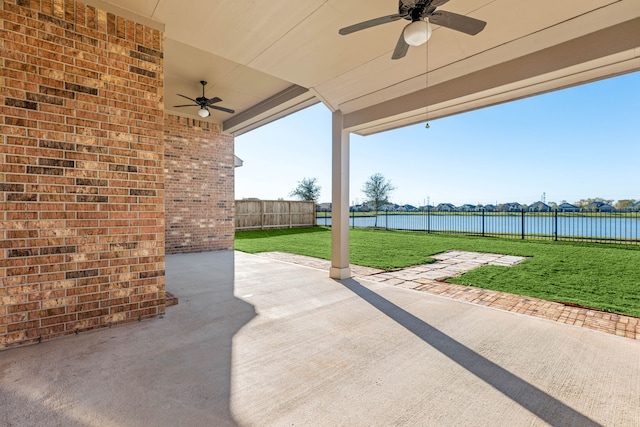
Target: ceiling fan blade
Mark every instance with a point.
(370, 23)
(213, 101)
(401, 47)
(226, 110)
(190, 105)
(438, 3)
(457, 22)
(190, 99)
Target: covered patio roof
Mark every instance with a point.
(266, 59)
(269, 59)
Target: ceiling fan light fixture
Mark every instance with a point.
(417, 33)
(203, 112)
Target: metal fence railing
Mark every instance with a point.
(609, 227)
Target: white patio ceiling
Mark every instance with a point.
(266, 59)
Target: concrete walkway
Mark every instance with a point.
(276, 344)
(430, 278)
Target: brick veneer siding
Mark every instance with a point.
(199, 186)
(81, 170)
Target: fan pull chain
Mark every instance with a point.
(426, 89)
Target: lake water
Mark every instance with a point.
(603, 226)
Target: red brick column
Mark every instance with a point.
(81, 170)
(199, 179)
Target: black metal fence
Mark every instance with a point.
(609, 227)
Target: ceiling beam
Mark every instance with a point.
(286, 102)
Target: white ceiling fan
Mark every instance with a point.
(420, 13)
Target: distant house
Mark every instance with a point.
(409, 208)
(425, 208)
(467, 208)
(600, 207)
(568, 207)
(510, 207)
(489, 208)
(539, 207)
(323, 207)
(635, 206)
(593, 206)
(389, 207)
(445, 207)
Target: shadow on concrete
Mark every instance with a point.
(164, 372)
(215, 315)
(34, 413)
(536, 401)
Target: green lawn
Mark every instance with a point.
(605, 277)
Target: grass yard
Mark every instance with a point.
(601, 276)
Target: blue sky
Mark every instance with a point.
(572, 144)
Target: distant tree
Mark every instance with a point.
(624, 204)
(307, 189)
(377, 189)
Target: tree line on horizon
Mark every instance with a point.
(378, 189)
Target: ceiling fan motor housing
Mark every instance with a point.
(413, 12)
(202, 100)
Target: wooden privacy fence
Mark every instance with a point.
(262, 214)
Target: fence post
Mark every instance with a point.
(482, 222)
(428, 219)
(556, 225)
(522, 228)
(386, 219)
(353, 219)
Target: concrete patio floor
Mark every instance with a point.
(273, 343)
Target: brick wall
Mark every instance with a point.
(81, 170)
(199, 186)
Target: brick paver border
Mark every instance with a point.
(429, 278)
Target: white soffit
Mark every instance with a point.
(269, 59)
